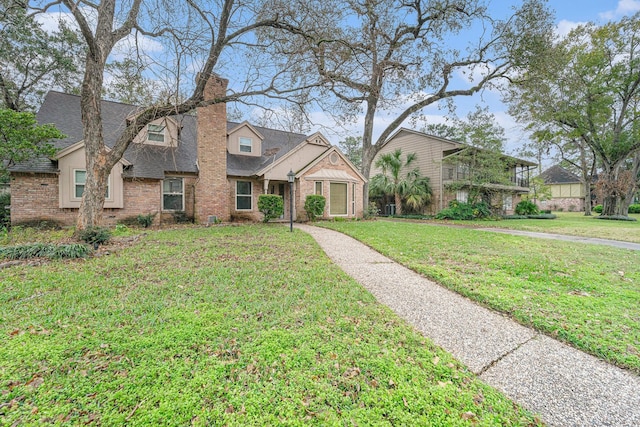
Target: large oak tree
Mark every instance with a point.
(584, 95)
(400, 56)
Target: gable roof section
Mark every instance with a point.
(324, 155)
(151, 161)
(558, 175)
(275, 146)
(247, 125)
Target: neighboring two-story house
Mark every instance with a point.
(450, 179)
(197, 166)
(567, 190)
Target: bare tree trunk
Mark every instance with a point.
(90, 212)
(587, 197)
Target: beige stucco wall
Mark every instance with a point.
(76, 161)
(233, 142)
(567, 190)
(298, 159)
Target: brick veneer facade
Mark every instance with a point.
(35, 197)
(304, 186)
(212, 188)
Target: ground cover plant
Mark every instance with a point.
(570, 223)
(248, 325)
(585, 295)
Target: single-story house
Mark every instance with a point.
(198, 166)
(436, 158)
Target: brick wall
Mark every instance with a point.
(212, 190)
(35, 197)
(567, 204)
(305, 187)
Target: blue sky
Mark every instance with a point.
(569, 14)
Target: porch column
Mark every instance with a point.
(265, 186)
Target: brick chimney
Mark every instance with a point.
(212, 188)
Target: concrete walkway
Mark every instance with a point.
(565, 386)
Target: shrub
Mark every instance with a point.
(597, 209)
(5, 213)
(616, 218)
(527, 207)
(314, 205)
(145, 220)
(41, 250)
(545, 211)
(372, 211)
(634, 209)
(180, 217)
(271, 206)
(95, 235)
(515, 217)
(542, 216)
(464, 211)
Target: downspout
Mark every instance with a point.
(193, 187)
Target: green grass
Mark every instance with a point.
(571, 223)
(585, 295)
(247, 325)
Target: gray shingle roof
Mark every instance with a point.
(559, 175)
(150, 161)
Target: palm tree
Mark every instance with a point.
(412, 187)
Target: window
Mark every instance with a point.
(337, 198)
(507, 202)
(353, 199)
(244, 200)
(462, 196)
(173, 194)
(245, 144)
(79, 181)
(155, 133)
(319, 188)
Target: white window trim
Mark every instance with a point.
(250, 195)
(346, 198)
(73, 186)
(353, 199)
(245, 141)
(156, 132)
(163, 194)
(462, 196)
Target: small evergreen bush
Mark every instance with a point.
(95, 235)
(527, 207)
(314, 206)
(5, 213)
(634, 209)
(145, 220)
(271, 206)
(597, 209)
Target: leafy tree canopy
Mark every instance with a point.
(21, 138)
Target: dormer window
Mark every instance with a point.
(155, 133)
(245, 144)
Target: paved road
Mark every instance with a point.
(565, 386)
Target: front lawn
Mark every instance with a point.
(571, 223)
(586, 295)
(247, 325)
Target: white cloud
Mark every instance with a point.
(625, 7)
(564, 27)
